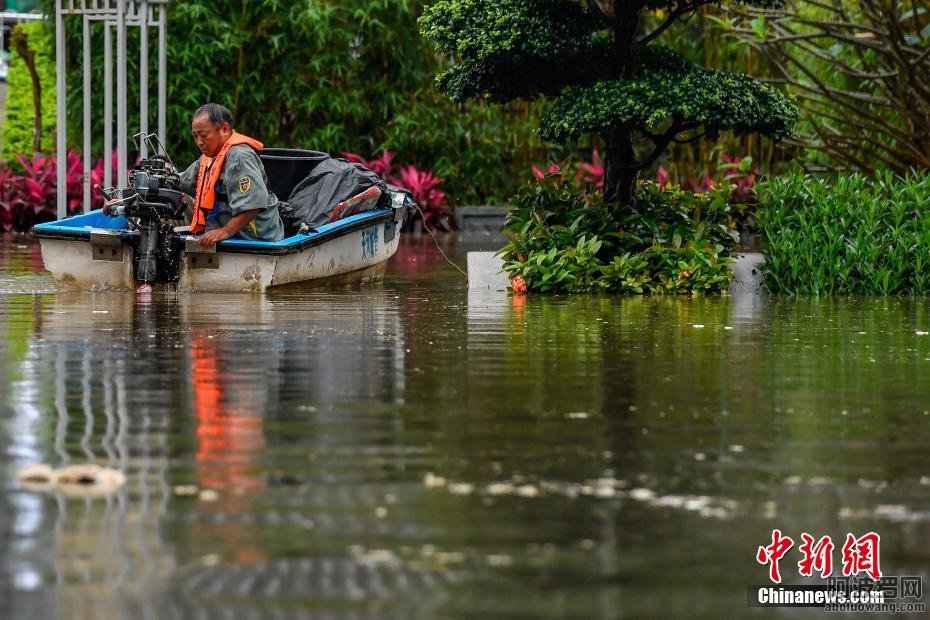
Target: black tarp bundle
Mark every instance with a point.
(310, 185)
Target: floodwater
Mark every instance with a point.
(415, 451)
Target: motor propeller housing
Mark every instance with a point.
(152, 202)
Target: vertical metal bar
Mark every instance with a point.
(121, 129)
(87, 131)
(61, 406)
(107, 103)
(61, 135)
(87, 404)
(143, 73)
(162, 71)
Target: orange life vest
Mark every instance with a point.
(206, 184)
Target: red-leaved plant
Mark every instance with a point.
(552, 169)
(591, 173)
(736, 170)
(380, 166)
(739, 172)
(29, 198)
(730, 168)
(422, 184)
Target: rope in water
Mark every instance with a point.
(423, 216)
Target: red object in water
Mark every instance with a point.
(519, 285)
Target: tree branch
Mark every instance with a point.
(599, 12)
(690, 140)
(661, 142)
(672, 18)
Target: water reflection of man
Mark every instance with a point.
(229, 438)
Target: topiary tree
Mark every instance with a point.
(607, 75)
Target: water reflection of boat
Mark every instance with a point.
(202, 392)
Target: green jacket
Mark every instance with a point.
(243, 186)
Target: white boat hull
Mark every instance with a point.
(74, 268)
(104, 261)
(354, 252)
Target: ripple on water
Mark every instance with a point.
(28, 285)
(414, 450)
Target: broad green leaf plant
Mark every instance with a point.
(564, 239)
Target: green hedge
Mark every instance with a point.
(564, 238)
(18, 122)
(327, 75)
(847, 235)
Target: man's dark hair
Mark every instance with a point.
(217, 114)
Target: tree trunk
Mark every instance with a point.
(619, 175)
(20, 42)
(621, 170)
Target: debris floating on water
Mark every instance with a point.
(208, 495)
(85, 480)
(461, 488)
(432, 480)
(36, 477)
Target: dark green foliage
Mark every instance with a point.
(335, 76)
(18, 122)
(704, 41)
(565, 238)
(479, 29)
(483, 154)
(327, 76)
(851, 235)
(513, 49)
(504, 78)
(598, 63)
(681, 96)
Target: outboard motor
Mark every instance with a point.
(153, 201)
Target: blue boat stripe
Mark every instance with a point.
(78, 227)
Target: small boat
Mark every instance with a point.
(95, 251)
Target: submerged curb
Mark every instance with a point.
(484, 273)
(481, 218)
(748, 276)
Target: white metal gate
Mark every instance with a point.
(118, 15)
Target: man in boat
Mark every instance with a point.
(229, 183)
